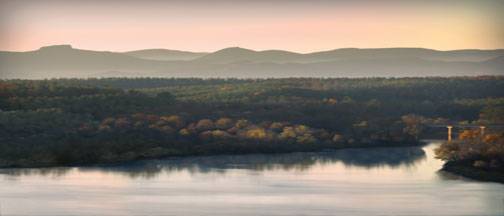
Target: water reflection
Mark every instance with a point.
(364, 158)
(381, 181)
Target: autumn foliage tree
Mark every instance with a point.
(481, 150)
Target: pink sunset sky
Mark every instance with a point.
(301, 26)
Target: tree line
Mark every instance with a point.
(69, 121)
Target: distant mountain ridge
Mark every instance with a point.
(165, 54)
(66, 61)
(238, 54)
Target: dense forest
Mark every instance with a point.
(80, 121)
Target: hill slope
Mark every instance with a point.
(165, 54)
(65, 61)
(237, 54)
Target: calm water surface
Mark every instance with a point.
(381, 181)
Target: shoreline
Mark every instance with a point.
(392, 145)
(466, 170)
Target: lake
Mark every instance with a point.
(373, 181)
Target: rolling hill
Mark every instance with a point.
(165, 54)
(65, 61)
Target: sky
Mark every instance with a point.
(295, 25)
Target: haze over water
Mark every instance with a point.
(375, 181)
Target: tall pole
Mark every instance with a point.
(482, 130)
(449, 132)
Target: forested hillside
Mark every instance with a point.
(77, 121)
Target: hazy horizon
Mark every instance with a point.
(257, 50)
(319, 38)
(297, 26)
